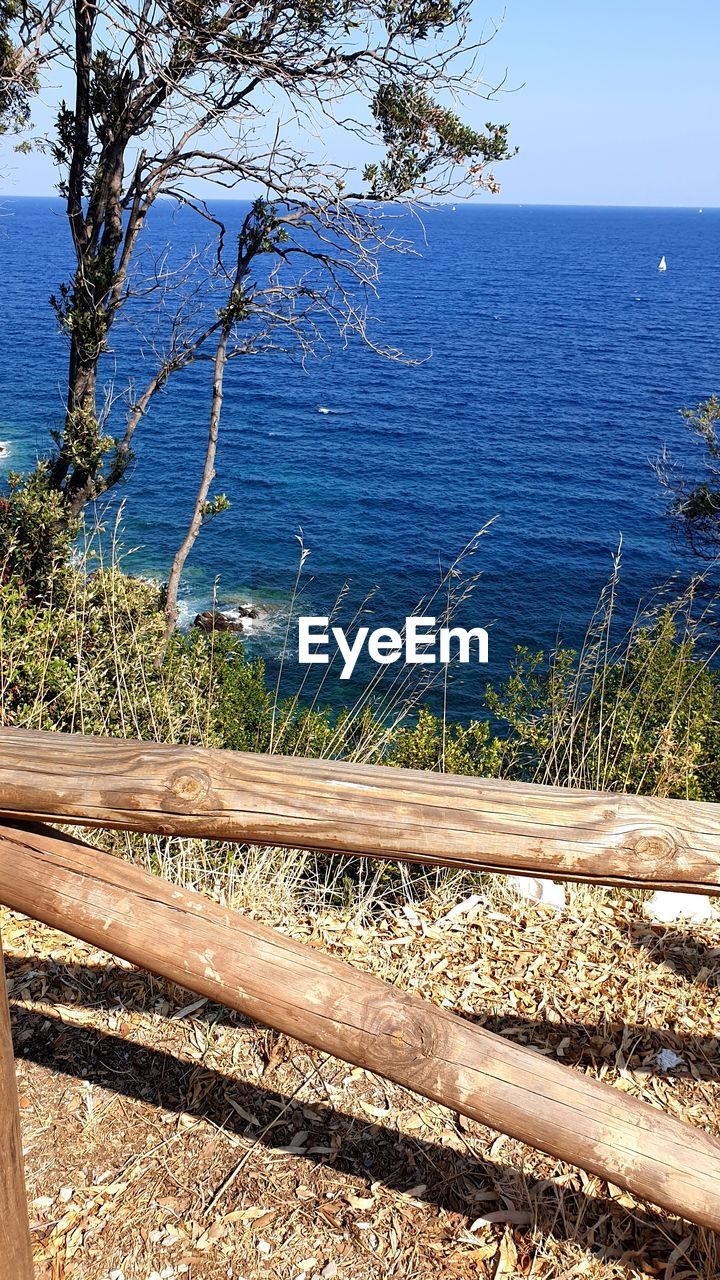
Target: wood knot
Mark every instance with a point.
(404, 1034)
(655, 846)
(190, 785)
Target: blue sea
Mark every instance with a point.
(552, 359)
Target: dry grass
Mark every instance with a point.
(164, 1140)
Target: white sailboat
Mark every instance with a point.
(662, 264)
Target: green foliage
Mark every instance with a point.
(235, 311)
(263, 229)
(248, 718)
(80, 308)
(89, 663)
(644, 719)
(317, 16)
(36, 537)
(62, 146)
(215, 506)
(421, 136)
(695, 499)
(17, 83)
(84, 444)
(87, 659)
(242, 704)
(470, 749)
(417, 19)
(527, 705)
(703, 421)
(110, 93)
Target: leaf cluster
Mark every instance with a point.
(421, 135)
(695, 498)
(36, 538)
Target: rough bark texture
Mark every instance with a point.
(15, 1247)
(368, 810)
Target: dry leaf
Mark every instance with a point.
(359, 1202)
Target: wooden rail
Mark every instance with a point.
(15, 1246)
(368, 811)
(324, 1002)
(372, 811)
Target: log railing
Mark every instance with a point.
(371, 811)
(221, 954)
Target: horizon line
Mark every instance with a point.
(457, 202)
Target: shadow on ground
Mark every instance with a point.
(581, 1042)
(377, 1152)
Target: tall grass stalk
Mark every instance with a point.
(631, 713)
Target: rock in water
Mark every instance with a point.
(215, 620)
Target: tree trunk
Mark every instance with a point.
(201, 497)
(81, 411)
(84, 14)
(81, 378)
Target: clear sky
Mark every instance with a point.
(612, 102)
(620, 101)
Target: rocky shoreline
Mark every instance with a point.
(239, 618)
(243, 617)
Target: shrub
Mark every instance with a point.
(644, 717)
(442, 747)
(36, 536)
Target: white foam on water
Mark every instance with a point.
(187, 612)
(237, 616)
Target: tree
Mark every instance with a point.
(171, 94)
(24, 32)
(695, 501)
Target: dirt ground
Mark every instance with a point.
(165, 1137)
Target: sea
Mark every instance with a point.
(546, 359)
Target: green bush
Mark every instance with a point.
(452, 748)
(644, 717)
(36, 536)
(88, 662)
(87, 659)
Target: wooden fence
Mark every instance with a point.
(360, 810)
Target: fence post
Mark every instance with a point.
(15, 1246)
